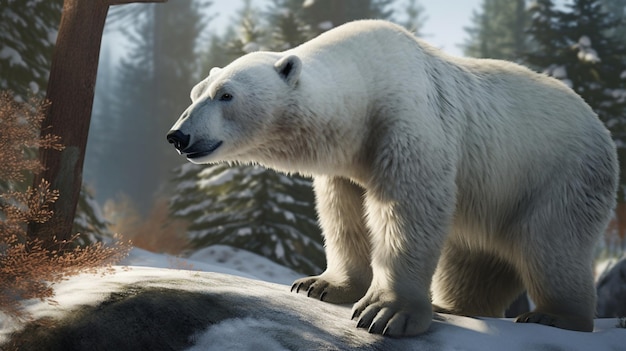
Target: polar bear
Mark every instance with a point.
(448, 182)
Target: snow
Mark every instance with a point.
(227, 335)
(220, 259)
(585, 52)
(194, 208)
(216, 180)
(248, 314)
(326, 25)
(584, 41)
(13, 55)
(34, 87)
(559, 72)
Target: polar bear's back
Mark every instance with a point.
(523, 121)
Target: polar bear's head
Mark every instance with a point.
(235, 108)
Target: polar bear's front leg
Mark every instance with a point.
(408, 232)
(348, 273)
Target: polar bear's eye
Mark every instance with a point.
(226, 97)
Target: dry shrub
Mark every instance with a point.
(156, 232)
(30, 266)
(20, 134)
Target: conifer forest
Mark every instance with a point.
(152, 55)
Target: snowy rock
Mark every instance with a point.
(162, 309)
(612, 291)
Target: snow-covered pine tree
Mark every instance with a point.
(251, 208)
(287, 23)
(322, 15)
(248, 36)
(599, 73)
(618, 9)
(28, 32)
(90, 223)
(575, 45)
(546, 40)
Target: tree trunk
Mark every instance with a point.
(71, 90)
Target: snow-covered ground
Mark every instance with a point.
(220, 259)
(240, 311)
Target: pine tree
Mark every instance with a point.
(415, 17)
(251, 208)
(287, 23)
(323, 15)
(27, 36)
(498, 30)
(90, 223)
(576, 47)
(618, 9)
(249, 36)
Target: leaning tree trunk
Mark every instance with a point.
(70, 91)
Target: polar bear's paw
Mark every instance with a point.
(382, 313)
(329, 290)
(576, 323)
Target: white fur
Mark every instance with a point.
(479, 176)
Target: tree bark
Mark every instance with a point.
(71, 90)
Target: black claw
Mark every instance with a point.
(298, 288)
(322, 296)
(361, 324)
(372, 328)
(355, 314)
(309, 291)
(293, 286)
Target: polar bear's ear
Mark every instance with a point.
(289, 68)
(214, 71)
(198, 90)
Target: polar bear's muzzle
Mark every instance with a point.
(198, 149)
(179, 139)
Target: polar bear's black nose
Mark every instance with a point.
(178, 138)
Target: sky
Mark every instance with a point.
(445, 22)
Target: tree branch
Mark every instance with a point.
(121, 2)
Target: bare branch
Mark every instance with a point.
(120, 2)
